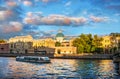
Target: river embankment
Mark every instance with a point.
(64, 56)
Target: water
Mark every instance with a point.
(58, 69)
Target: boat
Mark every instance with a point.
(34, 59)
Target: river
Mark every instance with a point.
(59, 69)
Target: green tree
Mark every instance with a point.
(57, 44)
(83, 43)
(98, 43)
(2, 41)
(88, 44)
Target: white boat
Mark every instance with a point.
(34, 59)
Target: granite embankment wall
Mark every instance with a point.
(72, 56)
(88, 56)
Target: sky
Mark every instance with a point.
(43, 18)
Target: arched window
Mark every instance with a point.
(59, 51)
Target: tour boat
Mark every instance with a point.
(34, 59)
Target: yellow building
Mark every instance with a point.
(106, 43)
(66, 46)
(19, 43)
(27, 38)
(110, 41)
(65, 50)
(48, 42)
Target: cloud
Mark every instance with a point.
(54, 19)
(45, 1)
(39, 33)
(27, 3)
(12, 27)
(68, 3)
(5, 14)
(99, 19)
(11, 3)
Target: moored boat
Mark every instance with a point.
(34, 59)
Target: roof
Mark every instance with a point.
(60, 35)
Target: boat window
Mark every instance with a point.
(31, 58)
(45, 58)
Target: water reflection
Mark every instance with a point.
(58, 67)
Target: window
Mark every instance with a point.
(2, 49)
(11, 45)
(67, 45)
(59, 51)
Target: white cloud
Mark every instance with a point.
(11, 3)
(5, 14)
(99, 19)
(53, 19)
(12, 27)
(68, 3)
(27, 3)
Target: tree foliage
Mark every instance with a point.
(86, 43)
(2, 41)
(57, 44)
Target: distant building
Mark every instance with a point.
(4, 48)
(110, 43)
(65, 50)
(26, 44)
(106, 43)
(59, 37)
(27, 38)
(44, 50)
(48, 42)
(21, 47)
(66, 46)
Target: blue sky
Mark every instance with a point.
(45, 17)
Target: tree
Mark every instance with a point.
(57, 44)
(98, 44)
(83, 43)
(2, 41)
(88, 44)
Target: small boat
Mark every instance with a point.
(34, 59)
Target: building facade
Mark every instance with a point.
(44, 50)
(48, 42)
(66, 45)
(27, 38)
(65, 50)
(106, 43)
(110, 43)
(21, 47)
(26, 44)
(4, 48)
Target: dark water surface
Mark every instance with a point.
(58, 69)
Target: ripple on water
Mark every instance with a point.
(86, 69)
